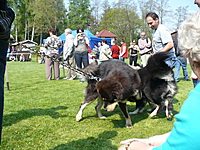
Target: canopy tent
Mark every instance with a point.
(93, 39)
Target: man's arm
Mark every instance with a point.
(167, 47)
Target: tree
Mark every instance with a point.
(79, 13)
(180, 15)
(122, 20)
(163, 9)
(145, 7)
(47, 14)
(95, 16)
(33, 17)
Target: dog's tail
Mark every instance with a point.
(157, 62)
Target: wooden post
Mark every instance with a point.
(7, 81)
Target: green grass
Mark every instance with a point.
(40, 114)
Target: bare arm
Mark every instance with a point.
(153, 141)
(169, 46)
(76, 41)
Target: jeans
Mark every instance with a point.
(181, 62)
(121, 58)
(171, 62)
(195, 82)
(3, 52)
(81, 58)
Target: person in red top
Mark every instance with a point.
(115, 50)
(123, 50)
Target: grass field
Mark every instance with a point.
(40, 114)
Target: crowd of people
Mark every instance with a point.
(76, 51)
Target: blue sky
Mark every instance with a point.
(173, 4)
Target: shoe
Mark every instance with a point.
(186, 79)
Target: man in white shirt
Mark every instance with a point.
(162, 40)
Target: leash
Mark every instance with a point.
(56, 58)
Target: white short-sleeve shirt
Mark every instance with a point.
(161, 36)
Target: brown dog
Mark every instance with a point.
(118, 82)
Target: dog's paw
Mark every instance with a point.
(129, 126)
(134, 112)
(128, 123)
(102, 117)
(170, 116)
(78, 117)
(152, 115)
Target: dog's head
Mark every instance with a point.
(111, 90)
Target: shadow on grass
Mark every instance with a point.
(134, 118)
(13, 118)
(102, 142)
(119, 123)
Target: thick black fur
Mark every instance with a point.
(154, 84)
(157, 85)
(119, 82)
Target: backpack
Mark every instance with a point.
(147, 40)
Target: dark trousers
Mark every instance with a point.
(81, 58)
(3, 52)
(133, 59)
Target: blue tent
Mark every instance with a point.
(93, 39)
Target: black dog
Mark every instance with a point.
(158, 86)
(118, 82)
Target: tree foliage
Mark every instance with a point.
(39, 15)
(79, 13)
(124, 18)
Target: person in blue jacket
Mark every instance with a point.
(185, 134)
